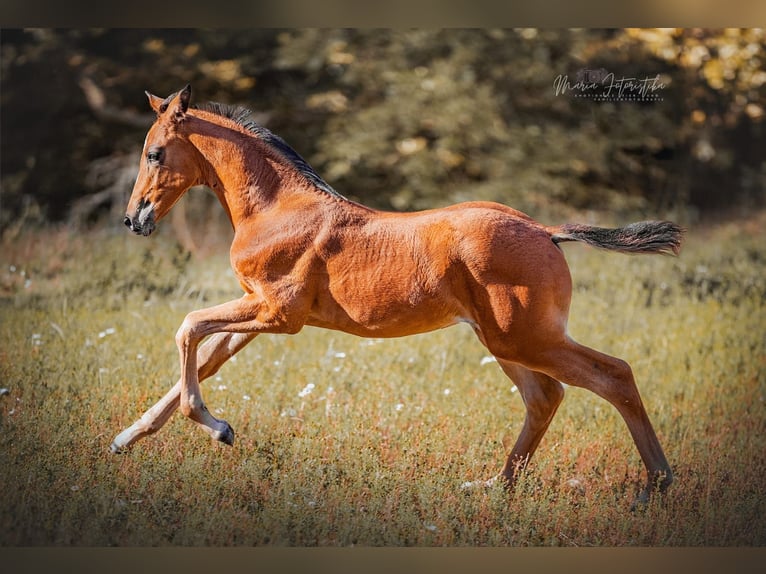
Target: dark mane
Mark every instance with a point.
(242, 117)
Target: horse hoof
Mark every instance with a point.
(478, 485)
(641, 501)
(226, 436)
(114, 448)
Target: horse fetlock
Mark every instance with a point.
(658, 483)
(662, 480)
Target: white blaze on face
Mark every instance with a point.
(145, 212)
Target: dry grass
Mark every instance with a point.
(376, 451)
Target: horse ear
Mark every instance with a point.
(154, 102)
(185, 96)
(177, 103)
(181, 103)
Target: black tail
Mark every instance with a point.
(642, 237)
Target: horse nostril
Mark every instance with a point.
(127, 222)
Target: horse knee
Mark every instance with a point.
(187, 333)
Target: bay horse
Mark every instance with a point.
(306, 255)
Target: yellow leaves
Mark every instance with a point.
(713, 72)
(191, 50)
(726, 59)
(758, 79)
(660, 41)
(332, 101)
(449, 158)
(225, 71)
(754, 111)
(410, 146)
(154, 45)
(228, 72)
(337, 54)
(698, 117)
(694, 56)
(244, 83)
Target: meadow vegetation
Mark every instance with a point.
(348, 441)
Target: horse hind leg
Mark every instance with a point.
(541, 395)
(211, 356)
(612, 379)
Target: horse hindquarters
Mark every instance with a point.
(522, 310)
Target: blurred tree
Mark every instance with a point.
(402, 119)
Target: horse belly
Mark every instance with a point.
(384, 306)
(384, 321)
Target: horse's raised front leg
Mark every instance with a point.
(247, 315)
(211, 356)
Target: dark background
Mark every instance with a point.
(401, 119)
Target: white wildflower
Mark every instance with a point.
(306, 390)
(487, 360)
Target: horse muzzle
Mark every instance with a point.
(142, 223)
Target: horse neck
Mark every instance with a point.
(246, 176)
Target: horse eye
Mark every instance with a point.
(154, 156)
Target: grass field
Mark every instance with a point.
(347, 441)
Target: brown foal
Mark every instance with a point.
(305, 255)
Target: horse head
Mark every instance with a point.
(169, 164)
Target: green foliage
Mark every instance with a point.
(403, 119)
(375, 452)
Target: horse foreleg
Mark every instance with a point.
(211, 356)
(541, 395)
(248, 315)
